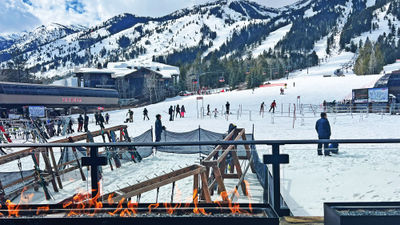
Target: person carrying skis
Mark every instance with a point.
(80, 123)
(107, 118)
(323, 129)
(178, 111)
(183, 111)
(273, 106)
(171, 113)
(158, 127)
(86, 122)
(145, 114)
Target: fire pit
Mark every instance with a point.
(366, 213)
(129, 213)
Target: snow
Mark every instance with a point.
(310, 13)
(392, 67)
(370, 3)
(272, 39)
(307, 182)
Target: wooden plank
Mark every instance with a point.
(218, 178)
(225, 153)
(156, 183)
(236, 163)
(231, 176)
(57, 172)
(49, 170)
(196, 184)
(26, 152)
(205, 188)
(215, 151)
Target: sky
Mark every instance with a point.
(25, 15)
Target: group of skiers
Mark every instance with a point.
(272, 107)
(100, 120)
(175, 111)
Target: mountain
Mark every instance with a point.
(227, 28)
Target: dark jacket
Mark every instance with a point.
(323, 128)
(80, 120)
(159, 128)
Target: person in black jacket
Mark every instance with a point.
(101, 121)
(323, 129)
(80, 123)
(86, 122)
(145, 114)
(171, 113)
(158, 128)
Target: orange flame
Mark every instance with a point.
(13, 209)
(133, 207)
(196, 209)
(119, 207)
(153, 206)
(42, 208)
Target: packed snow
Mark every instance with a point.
(358, 173)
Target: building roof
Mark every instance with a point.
(121, 69)
(115, 72)
(167, 71)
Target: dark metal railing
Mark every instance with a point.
(276, 159)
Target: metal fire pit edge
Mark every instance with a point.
(270, 218)
(332, 217)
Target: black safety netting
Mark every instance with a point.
(68, 155)
(144, 151)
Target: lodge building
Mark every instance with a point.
(135, 82)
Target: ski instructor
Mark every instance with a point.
(324, 132)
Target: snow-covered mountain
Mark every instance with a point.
(224, 28)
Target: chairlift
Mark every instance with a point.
(221, 79)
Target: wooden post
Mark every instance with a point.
(49, 170)
(196, 185)
(53, 159)
(205, 189)
(218, 178)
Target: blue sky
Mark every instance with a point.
(20, 15)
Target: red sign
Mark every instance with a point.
(199, 98)
(71, 100)
(100, 108)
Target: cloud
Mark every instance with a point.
(17, 15)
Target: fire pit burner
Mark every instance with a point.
(165, 213)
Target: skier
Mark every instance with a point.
(262, 108)
(282, 91)
(171, 113)
(70, 130)
(96, 117)
(107, 118)
(158, 127)
(227, 106)
(178, 111)
(208, 109)
(80, 123)
(86, 122)
(273, 106)
(145, 114)
(323, 129)
(324, 105)
(101, 121)
(215, 113)
(183, 111)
